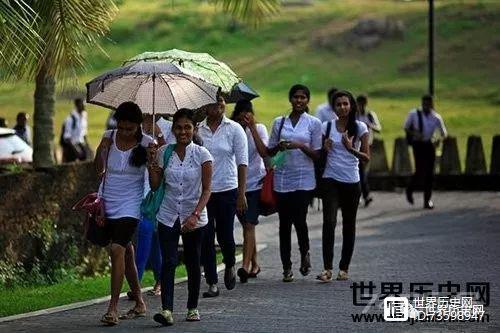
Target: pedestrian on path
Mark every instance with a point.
(73, 139)
(227, 142)
(23, 130)
(420, 126)
(257, 139)
(324, 111)
(122, 155)
(147, 245)
(187, 178)
(369, 117)
(299, 136)
(346, 143)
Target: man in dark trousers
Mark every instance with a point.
(420, 126)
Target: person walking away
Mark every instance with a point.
(420, 126)
(346, 143)
(187, 177)
(227, 143)
(299, 135)
(369, 117)
(23, 130)
(257, 139)
(122, 156)
(324, 111)
(73, 131)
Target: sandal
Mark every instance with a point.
(154, 292)
(193, 315)
(109, 319)
(325, 276)
(254, 274)
(133, 313)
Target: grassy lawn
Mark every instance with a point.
(26, 299)
(281, 52)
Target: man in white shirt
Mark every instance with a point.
(226, 141)
(420, 126)
(73, 140)
(324, 112)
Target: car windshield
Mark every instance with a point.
(11, 144)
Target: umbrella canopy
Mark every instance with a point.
(240, 91)
(157, 87)
(203, 65)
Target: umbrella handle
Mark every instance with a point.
(154, 118)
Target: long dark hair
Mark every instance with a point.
(129, 111)
(297, 87)
(241, 106)
(352, 127)
(189, 115)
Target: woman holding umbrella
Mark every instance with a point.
(187, 176)
(121, 156)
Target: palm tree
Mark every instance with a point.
(66, 28)
(50, 48)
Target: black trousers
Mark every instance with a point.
(292, 210)
(221, 208)
(346, 197)
(424, 155)
(169, 240)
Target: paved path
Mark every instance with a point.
(457, 242)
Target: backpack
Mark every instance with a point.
(63, 128)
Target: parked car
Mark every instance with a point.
(13, 149)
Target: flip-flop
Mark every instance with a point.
(254, 275)
(153, 292)
(132, 314)
(109, 319)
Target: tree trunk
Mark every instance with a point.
(43, 127)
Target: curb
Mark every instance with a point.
(82, 304)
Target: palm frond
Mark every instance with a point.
(250, 11)
(18, 37)
(67, 27)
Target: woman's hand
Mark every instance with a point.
(241, 203)
(294, 145)
(152, 151)
(249, 120)
(347, 141)
(328, 144)
(189, 223)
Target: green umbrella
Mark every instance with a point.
(203, 65)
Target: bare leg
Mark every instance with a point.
(117, 254)
(248, 245)
(132, 278)
(255, 265)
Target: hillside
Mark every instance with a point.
(283, 51)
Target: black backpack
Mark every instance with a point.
(63, 128)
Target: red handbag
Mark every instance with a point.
(93, 205)
(268, 200)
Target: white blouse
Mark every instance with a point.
(124, 188)
(297, 172)
(229, 148)
(182, 185)
(256, 168)
(341, 165)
